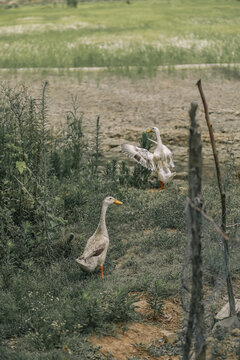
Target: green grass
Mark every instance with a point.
(48, 305)
(48, 188)
(114, 34)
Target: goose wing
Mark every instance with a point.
(94, 252)
(140, 155)
(169, 156)
(95, 246)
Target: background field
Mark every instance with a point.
(57, 165)
(114, 34)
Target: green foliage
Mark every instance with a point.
(10, 316)
(157, 292)
(165, 349)
(33, 162)
(68, 148)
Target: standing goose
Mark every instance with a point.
(159, 161)
(97, 245)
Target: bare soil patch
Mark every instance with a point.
(136, 340)
(159, 339)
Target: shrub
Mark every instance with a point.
(72, 3)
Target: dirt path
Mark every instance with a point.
(129, 107)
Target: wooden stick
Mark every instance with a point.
(196, 310)
(223, 202)
(210, 129)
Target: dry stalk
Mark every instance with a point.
(223, 202)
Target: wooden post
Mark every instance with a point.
(223, 203)
(196, 312)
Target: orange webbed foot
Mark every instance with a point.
(101, 268)
(162, 185)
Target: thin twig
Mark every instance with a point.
(24, 188)
(218, 228)
(233, 225)
(222, 194)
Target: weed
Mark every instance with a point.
(97, 154)
(157, 293)
(165, 349)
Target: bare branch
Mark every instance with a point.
(222, 194)
(223, 203)
(233, 225)
(219, 230)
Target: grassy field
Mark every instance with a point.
(143, 34)
(51, 187)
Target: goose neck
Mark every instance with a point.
(159, 140)
(102, 223)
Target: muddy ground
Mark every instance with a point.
(128, 107)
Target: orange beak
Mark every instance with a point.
(149, 131)
(117, 202)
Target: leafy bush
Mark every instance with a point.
(32, 165)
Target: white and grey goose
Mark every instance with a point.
(160, 161)
(97, 245)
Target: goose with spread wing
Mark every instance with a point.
(160, 161)
(97, 245)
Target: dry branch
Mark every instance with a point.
(210, 129)
(223, 202)
(219, 230)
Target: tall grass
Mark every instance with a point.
(114, 34)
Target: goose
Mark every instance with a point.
(159, 161)
(97, 245)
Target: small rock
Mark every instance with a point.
(225, 312)
(235, 332)
(226, 326)
(169, 336)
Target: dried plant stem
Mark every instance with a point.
(219, 230)
(44, 165)
(223, 202)
(210, 129)
(97, 144)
